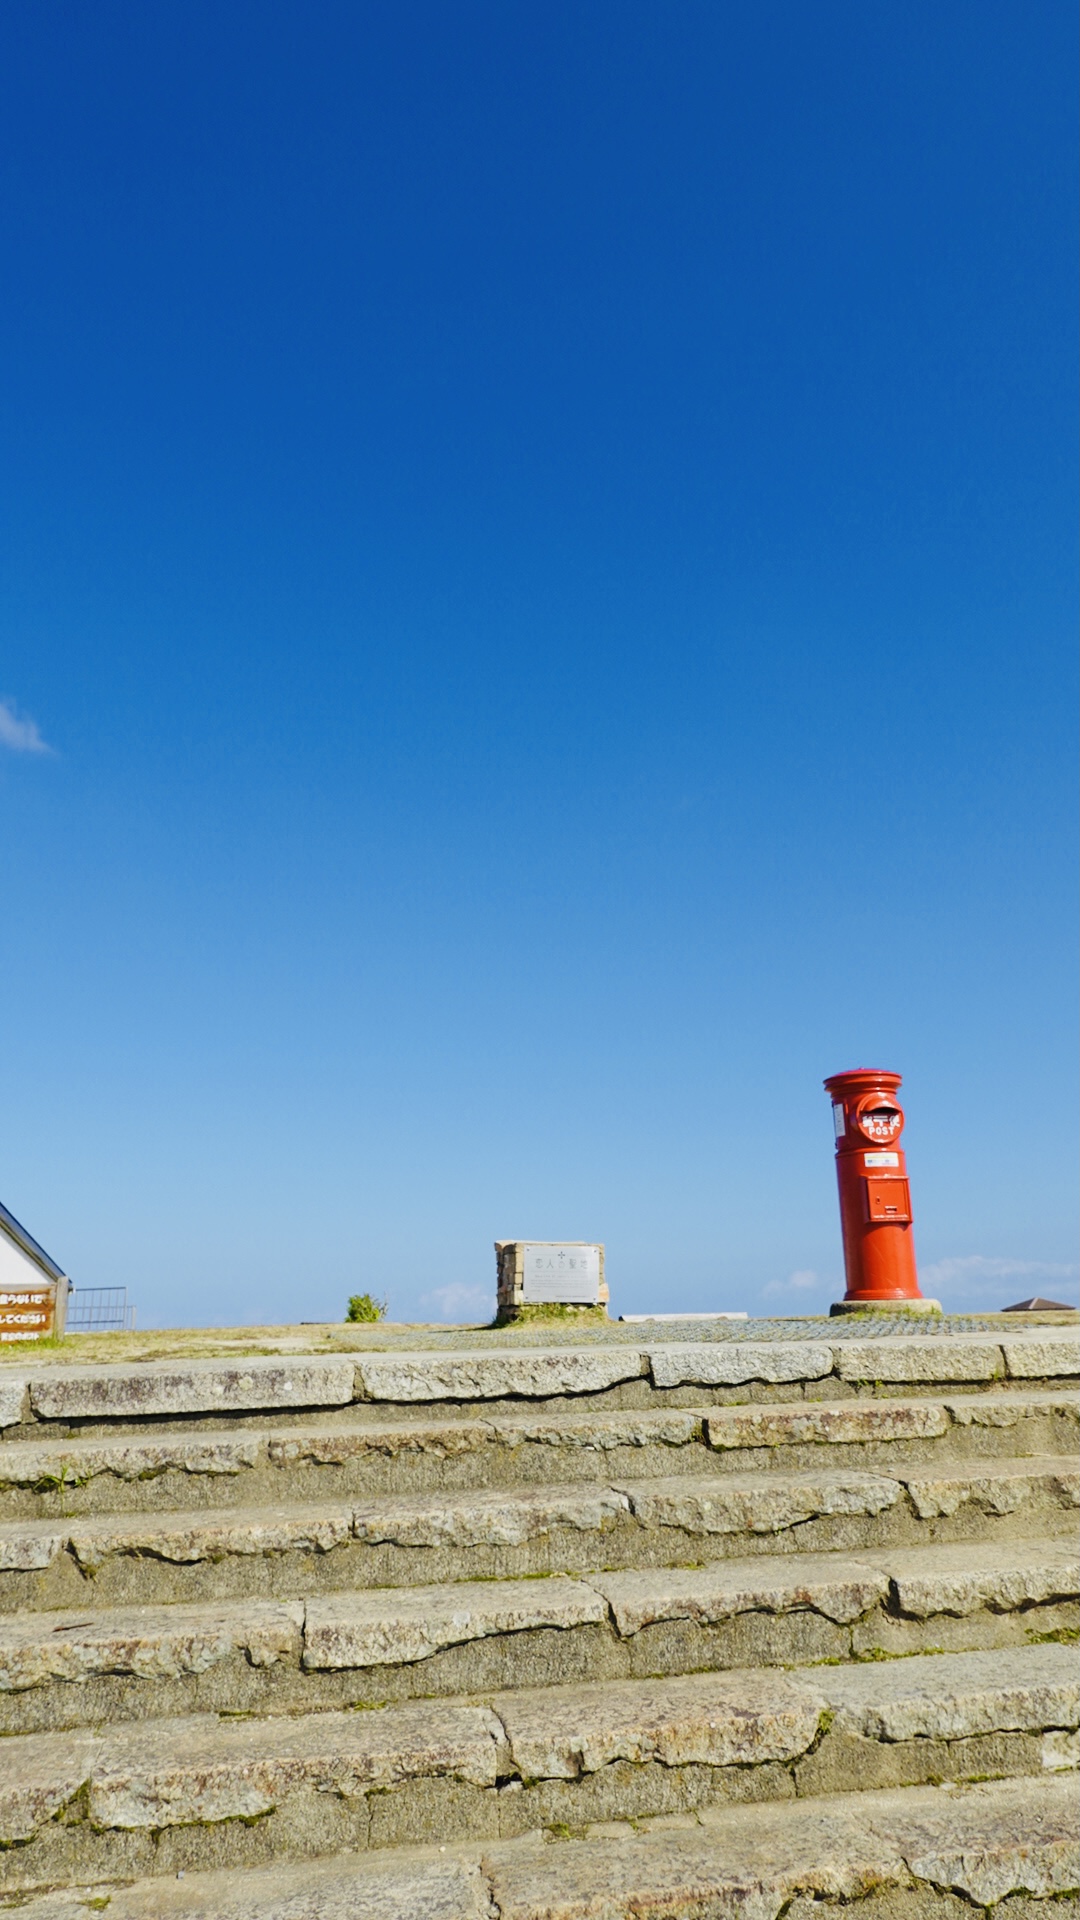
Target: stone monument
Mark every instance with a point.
(550, 1279)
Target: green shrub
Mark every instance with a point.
(362, 1306)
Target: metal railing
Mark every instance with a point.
(100, 1310)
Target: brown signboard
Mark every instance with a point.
(30, 1312)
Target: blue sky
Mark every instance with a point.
(537, 594)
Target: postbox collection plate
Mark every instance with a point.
(888, 1198)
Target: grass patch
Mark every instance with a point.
(546, 1312)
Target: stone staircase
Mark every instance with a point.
(574, 1632)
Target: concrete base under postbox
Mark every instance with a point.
(885, 1306)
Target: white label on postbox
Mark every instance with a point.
(881, 1159)
(838, 1119)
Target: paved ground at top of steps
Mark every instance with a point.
(387, 1336)
(908, 1854)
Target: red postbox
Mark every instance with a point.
(875, 1199)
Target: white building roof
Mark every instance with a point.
(28, 1246)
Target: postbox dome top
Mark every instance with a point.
(862, 1080)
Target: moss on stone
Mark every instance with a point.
(550, 1311)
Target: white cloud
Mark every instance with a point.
(800, 1280)
(967, 1282)
(20, 736)
(968, 1274)
(461, 1302)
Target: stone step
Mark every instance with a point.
(125, 1397)
(268, 1607)
(290, 1551)
(383, 1645)
(839, 1607)
(973, 1425)
(903, 1853)
(914, 1853)
(163, 1468)
(168, 1796)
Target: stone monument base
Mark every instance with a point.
(550, 1280)
(524, 1313)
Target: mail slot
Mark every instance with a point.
(887, 1199)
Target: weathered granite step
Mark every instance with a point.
(876, 1432)
(289, 1551)
(201, 1791)
(634, 1750)
(165, 1468)
(902, 1855)
(128, 1396)
(840, 1607)
(386, 1644)
(917, 1853)
(172, 1795)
